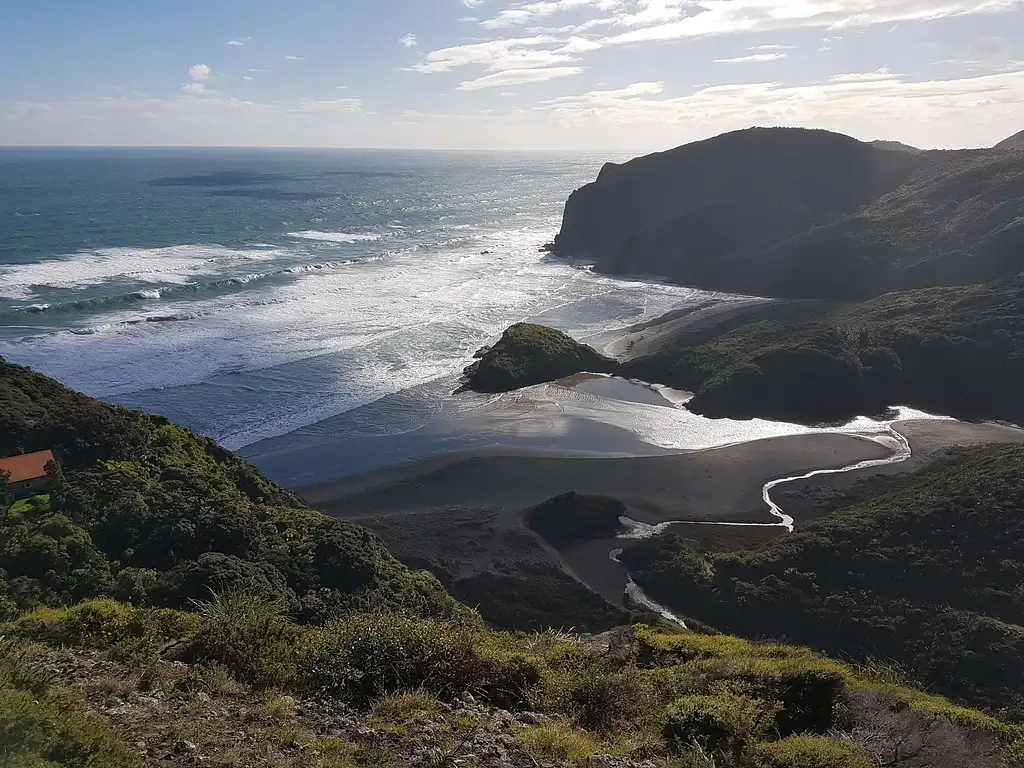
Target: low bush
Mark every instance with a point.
(38, 733)
(604, 701)
(406, 705)
(724, 726)
(103, 623)
(810, 752)
(365, 657)
(250, 637)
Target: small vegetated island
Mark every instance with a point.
(529, 354)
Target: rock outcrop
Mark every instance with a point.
(530, 354)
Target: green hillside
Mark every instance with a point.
(924, 569)
(153, 514)
(958, 351)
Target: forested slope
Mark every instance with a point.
(957, 351)
(923, 569)
(153, 514)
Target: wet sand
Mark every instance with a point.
(717, 484)
(714, 485)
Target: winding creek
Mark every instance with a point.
(901, 452)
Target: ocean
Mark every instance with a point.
(248, 294)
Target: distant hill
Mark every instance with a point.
(897, 146)
(801, 213)
(1014, 142)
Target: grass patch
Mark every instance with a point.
(407, 705)
(810, 752)
(557, 740)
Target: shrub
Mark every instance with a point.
(658, 648)
(250, 637)
(603, 701)
(39, 733)
(103, 624)
(575, 517)
(809, 693)
(406, 705)
(723, 725)
(810, 752)
(365, 657)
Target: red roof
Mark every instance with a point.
(26, 467)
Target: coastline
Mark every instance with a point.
(460, 513)
(568, 418)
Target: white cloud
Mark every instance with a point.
(718, 17)
(246, 77)
(518, 77)
(643, 116)
(752, 58)
(332, 105)
(472, 3)
(496, 55)
(199, 75)
(863, 77)
(293, 58)
(407, 40)
(236, 43)
(959, 112)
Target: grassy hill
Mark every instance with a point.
(240, 685)
(803, 214)
(957, 350)
(923, 569)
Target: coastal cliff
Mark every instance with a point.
(802, 214)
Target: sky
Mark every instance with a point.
(588, 75)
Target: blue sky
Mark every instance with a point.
(628, 75)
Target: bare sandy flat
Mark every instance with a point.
(700, 485)
(718, 484)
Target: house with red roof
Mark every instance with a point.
(27, 474)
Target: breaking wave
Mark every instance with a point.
(334, 237)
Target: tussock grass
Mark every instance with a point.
(557, 741)
(406, 705)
